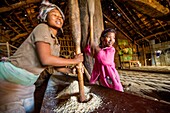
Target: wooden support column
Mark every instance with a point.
(144, 55)
(152, 42)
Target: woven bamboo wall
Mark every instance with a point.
(67, 46)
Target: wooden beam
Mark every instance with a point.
(19, 36)
(13, 46)
(21, 22)
(17, 5)
(2, 44)
(6, 36)
(150, 36)
(17, 23)
(30, 13)
(126, 17)
(9, 26)
(162, 25)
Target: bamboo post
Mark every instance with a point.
(74, 19)
(8, 50)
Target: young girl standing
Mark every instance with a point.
(104, 67)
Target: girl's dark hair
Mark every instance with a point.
(104, 34)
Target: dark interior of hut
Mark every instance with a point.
(143, 40)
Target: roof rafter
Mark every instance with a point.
(150, 36)
(17, 5)
(9, 26)
(117, 27)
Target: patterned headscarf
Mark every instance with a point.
(46, 7)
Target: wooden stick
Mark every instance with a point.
(91, 8)
(8, 50)
(74, 19)
(87, 73)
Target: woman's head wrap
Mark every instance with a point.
(46, 7)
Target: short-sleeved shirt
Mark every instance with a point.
(26, 55)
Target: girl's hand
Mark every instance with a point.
(93, 45)
(67, 71)
(95, 48)
(72, 72)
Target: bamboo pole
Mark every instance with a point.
(74, 19)
(87, 73)
(8, 50)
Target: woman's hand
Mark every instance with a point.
(79, 58)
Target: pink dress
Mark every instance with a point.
(104, 69)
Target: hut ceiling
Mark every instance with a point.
(138, 20)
